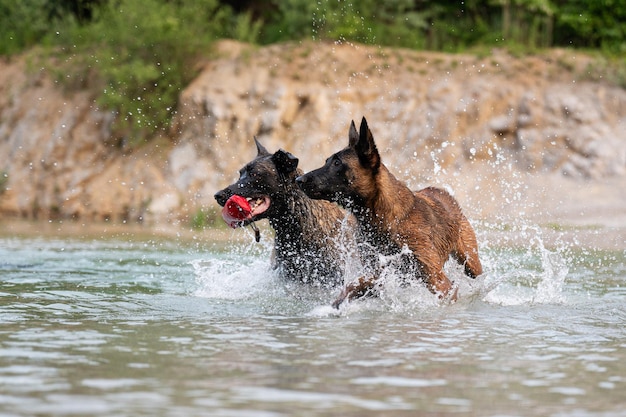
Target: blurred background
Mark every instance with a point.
(138, 111)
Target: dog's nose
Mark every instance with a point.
(301, 179)
(221, 197)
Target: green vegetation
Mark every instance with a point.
(139, 54)
(4, 180)
(142, 52)
(205, 218)
(450, 25)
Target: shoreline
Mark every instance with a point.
(590, 236)
(72, 229)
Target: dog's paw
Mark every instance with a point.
(451, 296)
(339, 299)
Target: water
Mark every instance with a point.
(155, 327)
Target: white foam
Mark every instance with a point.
(536, 276)
(528, 276)
(232, 279)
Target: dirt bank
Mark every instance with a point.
(540, 137)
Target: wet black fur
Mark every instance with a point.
(306, 243)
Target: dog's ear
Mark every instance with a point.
(261, 151)
(353, 135)
(284, 161)
(366, 148)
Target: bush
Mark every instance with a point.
(141, 54)
(391, 22)
(22, 24)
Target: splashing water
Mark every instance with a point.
(550, 287)
(232, 278)
(533, 276)
(520, 266)
(512, 276)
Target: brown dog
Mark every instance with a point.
(391, 217)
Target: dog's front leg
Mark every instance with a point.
(355, 289)
(439, 284)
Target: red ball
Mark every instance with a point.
(236, 211)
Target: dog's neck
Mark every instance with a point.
(291, 218)
(386, 200)
(386, 204)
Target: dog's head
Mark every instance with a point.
(348, 176)
(263, 181)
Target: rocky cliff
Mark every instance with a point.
(537, 134)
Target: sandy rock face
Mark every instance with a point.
(450, 105)
(56, 158)
(51, 144)
(465, 122)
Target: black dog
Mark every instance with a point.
(390, 217)
(308, 233)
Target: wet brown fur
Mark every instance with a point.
(429, 222)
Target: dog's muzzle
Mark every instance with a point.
(304, 183)
(309, 186)
(222, 196)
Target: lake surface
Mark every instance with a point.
(131, 326)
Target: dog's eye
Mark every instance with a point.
(336, 162)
